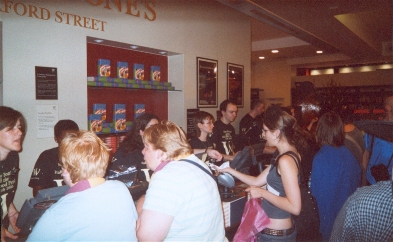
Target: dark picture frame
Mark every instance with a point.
(235, 80)
(207, 77)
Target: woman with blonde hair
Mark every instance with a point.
(182, 202)
(92, 209)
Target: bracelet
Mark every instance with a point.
(12, 215)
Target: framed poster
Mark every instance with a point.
(235, 76)
(206, 83)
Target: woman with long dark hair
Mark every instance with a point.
(129, 154)
(281, 198)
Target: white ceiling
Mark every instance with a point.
(348, 31)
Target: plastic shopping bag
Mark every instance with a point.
(254, 219)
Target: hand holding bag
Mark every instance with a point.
(254, 220)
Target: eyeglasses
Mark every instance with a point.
(265, 130)
(208, 123)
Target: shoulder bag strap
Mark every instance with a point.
(354, 141)
(293, 155)
(201, 167)
(296, 158)
(390, 161)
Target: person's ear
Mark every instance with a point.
(276, 133)
(163, 156)
(199, 125)
(140, 132)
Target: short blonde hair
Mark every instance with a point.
(169, 138)
(83, 155)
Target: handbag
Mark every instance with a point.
(380, 172)
(254, 219)
(307, 222)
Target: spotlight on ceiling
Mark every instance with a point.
(261, 57)
(98, 40)
(319, 51)
(134, 47)
(274, 51)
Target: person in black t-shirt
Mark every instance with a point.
(47, 169)
(224, 136)
(250, 126)
(12, 131)
(203, 126)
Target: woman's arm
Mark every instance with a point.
(260, 180)
(153, 225)
(13, 215)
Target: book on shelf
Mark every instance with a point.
(155, 73)
(139, 71)
(119, 118)
(139, 109)
(119, 108)
(100, 108)
(104, 67)
(112, 143)
(122, 69)
(119, 123)
(95, 123)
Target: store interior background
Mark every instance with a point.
(187, 30)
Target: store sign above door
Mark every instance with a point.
(133, 8)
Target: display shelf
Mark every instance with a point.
(365, 102)
(107, 82)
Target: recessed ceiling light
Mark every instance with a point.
(274, 51)
(162, 52)
(98, 40)
(261, 57)
(319, 51)
(134, 47)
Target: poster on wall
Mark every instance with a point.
(206, 83)
(190, 125)
(45, 83)
(235, 82)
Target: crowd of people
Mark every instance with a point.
(182, 201)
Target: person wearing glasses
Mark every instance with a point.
(281, 198)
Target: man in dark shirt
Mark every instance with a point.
(47, 170)
(250, 126)
(224, 136)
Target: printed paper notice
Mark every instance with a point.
(47, 117)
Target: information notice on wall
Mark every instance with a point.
(190, 126)
(45, 83)
(47, 117)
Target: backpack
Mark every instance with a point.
(307, 222)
